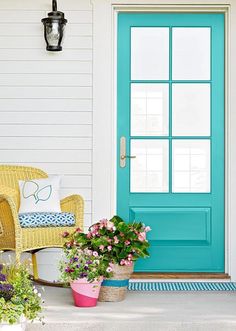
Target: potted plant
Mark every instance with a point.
(120, 244)
(84, 269)
(20, 301)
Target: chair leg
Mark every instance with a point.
(18, 254)
(35, 266)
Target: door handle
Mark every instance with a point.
(127, 157)
(123, 155)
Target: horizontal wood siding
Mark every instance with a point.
(46, 98)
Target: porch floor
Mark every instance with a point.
(141, 311)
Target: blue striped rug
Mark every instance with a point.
(181, 286)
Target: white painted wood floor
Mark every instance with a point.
(141, 311)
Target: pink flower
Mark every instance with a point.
(147, 229)
(95, 253)
(78, 230)
(109, 248)
(142, 236)
(89, 252)
(109, 269)
(116, 240)
(122, 262)
(65, 234)
(101, 247)
(127, 242)
(109, 240)
(94, 230)
(103, 223)
(89, 235)
(122, 234)
(109, 225)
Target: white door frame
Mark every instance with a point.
(104, 105)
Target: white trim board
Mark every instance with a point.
(104, 105)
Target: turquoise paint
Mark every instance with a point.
(115, 282)
(170, 109)
(184, 214)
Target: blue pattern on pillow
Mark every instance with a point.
(43, 220)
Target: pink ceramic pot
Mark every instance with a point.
(85, 294)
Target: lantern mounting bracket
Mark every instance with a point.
(54, 5)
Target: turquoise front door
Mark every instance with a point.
(170, 134)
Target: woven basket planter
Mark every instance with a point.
(115, 288)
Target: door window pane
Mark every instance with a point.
(150, 169)
(191, 53)
(149, 53)
(149, 109)
(191, 166)
(191, 109)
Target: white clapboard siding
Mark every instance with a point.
(45, 5)
(25, 16)
(46, 67)
(46, 98)
(48, 155)
(45, 143)
(79, 16)
(36, 29)
(31, 42)
(42, 55)
(86, 193)
(33, 16)
(87, 220)
(45, 131)
(45, 105)
(76, 181)
(83, 80)
(46, 118)
(46, 92)
(88, 207)
(61, 168)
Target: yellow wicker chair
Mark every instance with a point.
(15, 238)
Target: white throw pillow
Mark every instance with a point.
(40, 195)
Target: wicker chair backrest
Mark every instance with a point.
(11, 174)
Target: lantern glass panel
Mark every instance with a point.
(53, 32)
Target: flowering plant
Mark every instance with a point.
(83, 263)
(18, 296)
(117, 241)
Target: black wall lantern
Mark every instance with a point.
(54, 28)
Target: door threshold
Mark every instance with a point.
(179, 275)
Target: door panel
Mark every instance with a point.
(176, 225)
(171, 117)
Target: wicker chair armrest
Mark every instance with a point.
(74, 204)
(11, 193)
(9, 197)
